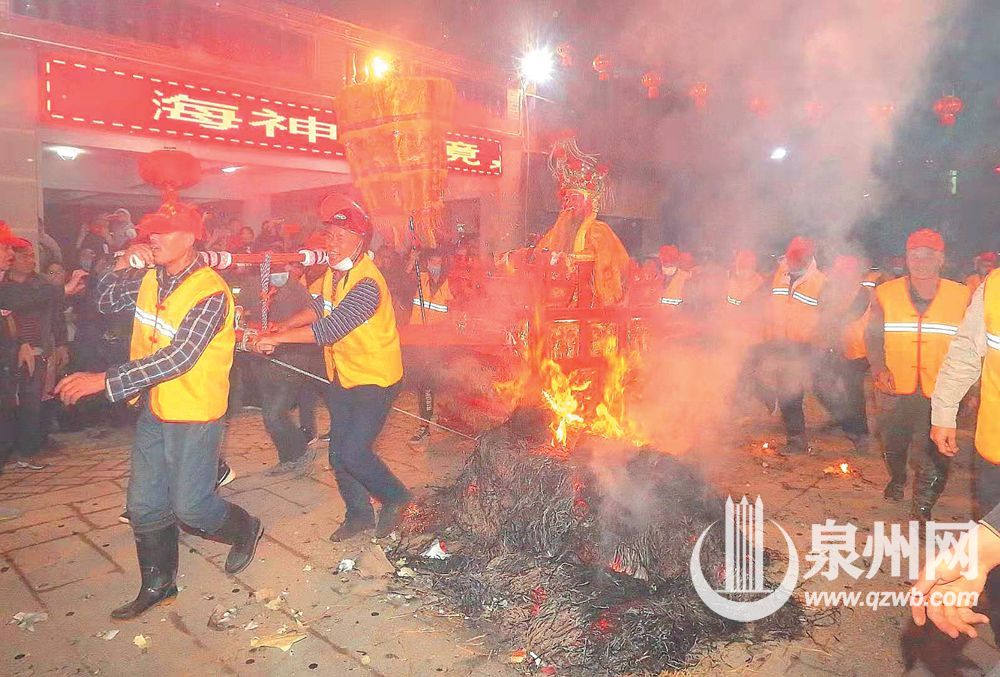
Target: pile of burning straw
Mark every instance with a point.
(582, 560)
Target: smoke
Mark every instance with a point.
(828, 81)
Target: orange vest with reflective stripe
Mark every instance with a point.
(673, 294)
(916, 345)
(436, 302)
(988, 427)
(794, 311)
(200, 394)
(370, 354)
(738, 290)
(854, 333)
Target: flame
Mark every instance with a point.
(589, 400)
(845, 468)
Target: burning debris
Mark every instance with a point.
(581, 558)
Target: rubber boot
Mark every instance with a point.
(242, 531)
(929, 487)
(895, 464)
(157, 554)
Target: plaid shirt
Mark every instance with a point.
(118, 291)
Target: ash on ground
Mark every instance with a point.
(581, 561)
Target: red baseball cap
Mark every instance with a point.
(988, 257)
(669, 254)
(337, 210)
(8, 238)
(171, 218)
(799, 251)
(925, 237)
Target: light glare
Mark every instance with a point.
(67, 152)
(537, 66)
(779, 153)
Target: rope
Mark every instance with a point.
(314, 377)
(265, 286)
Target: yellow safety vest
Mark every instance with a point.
(436, 303)
(915, 344)
(673, 294)
(200, 394)
(370, 354)
(988, 427)
(794, 311)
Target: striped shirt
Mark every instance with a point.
(357, 307)
(119, 290)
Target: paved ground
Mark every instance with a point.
(69, 557)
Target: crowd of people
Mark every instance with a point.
(165, 336)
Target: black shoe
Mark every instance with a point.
(157, 554)
(351, 527)
(242, 531)
(389, 517)
(225, 476)
(893, 492)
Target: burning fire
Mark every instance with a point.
(589, 400)
(841, 469)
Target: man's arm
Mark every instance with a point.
(963, 365)
(195, 332)
(118, 290)
(357, 307)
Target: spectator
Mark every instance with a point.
(122, 228)
(95, 236)
(242, 242)
(40, 332)
(49, 249)
(220, 238)
(270, 238)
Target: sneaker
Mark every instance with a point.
(226, 475)
(28, 465)
(422, 438)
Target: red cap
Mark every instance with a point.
(925, 237)
(988, 257)
(8, 238)
(800, 251)
(669, 254)
(170, 218)
(338, 211)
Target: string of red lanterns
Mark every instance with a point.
(947, 108)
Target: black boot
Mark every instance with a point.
(390, 515)
(242, 531)
(157, 553)
(352, 526)
(896, 465)
(929, 487)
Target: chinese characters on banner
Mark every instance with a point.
(79, 93)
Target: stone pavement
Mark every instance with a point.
(68, 556)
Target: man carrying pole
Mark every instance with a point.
(355, 323)
(181, 353)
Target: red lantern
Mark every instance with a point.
(947, 109)
(651, 81)
(565, 54)
(170, 171)
(602, 64)
(699, 94)
(759, 105)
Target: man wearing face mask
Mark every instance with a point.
(280, 388)
(354, 322)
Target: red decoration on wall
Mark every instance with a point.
(699, 94)
(947, 109)
(565, 52)
(602, 64)
(170, 171)
(651, 80)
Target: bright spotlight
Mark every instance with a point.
(779, 153)
(380, 67)
(231, 169)
(66, 152)
(537, 66)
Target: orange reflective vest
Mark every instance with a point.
(673, 292)
(370, 354)
(854, 332)
(915, 344)
(794, 309)
(200, 394)
(988, 427)
(436, 302)
(739, 290)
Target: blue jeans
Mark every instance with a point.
(356, 419)
(174, 468)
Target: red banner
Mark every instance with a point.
(125, 100)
